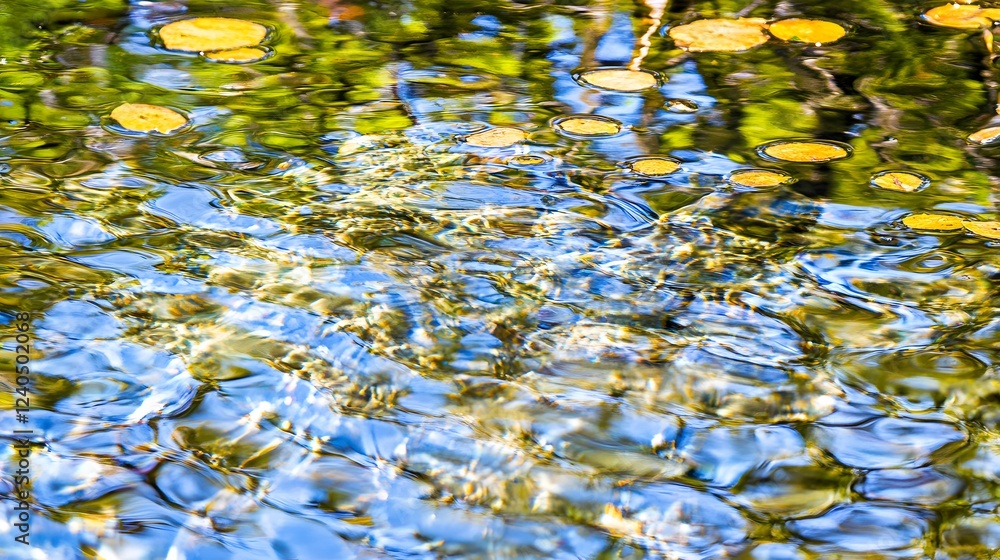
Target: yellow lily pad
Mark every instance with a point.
(140, 117)
(654, 166)
(236, 56)
(619, 79)
(902, 181)
(587, 126)
(802, 30)
(500, 137)
(962, 16)
(814, 151)
(935, 222)
(990, 230)
(720, 35)
(985, 136)
(211, 34)
(759, 178)
(526, 160)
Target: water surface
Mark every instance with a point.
(316, 323)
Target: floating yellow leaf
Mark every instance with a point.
(807, 30)
(720, 35)
(654, 166)
(936, 222)
(587, 126)
(244, 54)
(816, 151)
(140, 117)
(526, 160)
(985, 136)
(211, 34)
(619, 79)
(759, 178)
(902, 181)
(989, 230)
(500, 137)
(962, 16)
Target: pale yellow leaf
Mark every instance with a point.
(588, 126)
(619, 79)
(935, 222)
(805, 152)
(654, 166)
(500, 137)
(759, 178)
(902, 181)
(990, 230)
(140, 117)
(211, 34)
(241, 55)
(985, 136)
(720, 35)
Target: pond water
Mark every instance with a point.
(387, 295)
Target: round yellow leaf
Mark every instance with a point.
(935, 222)
(989, 230)
(619, 79)
(140, 117)
(902, 181)
(654, 166)
(500, 137)
(961, 16)
(587, 126)
(759, 178)
(526, 160)
(236, 56)
(816, 151)
(211, 34)
(807, 30)
(720, 35)
(985, 136)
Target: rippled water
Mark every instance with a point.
(317, 324)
